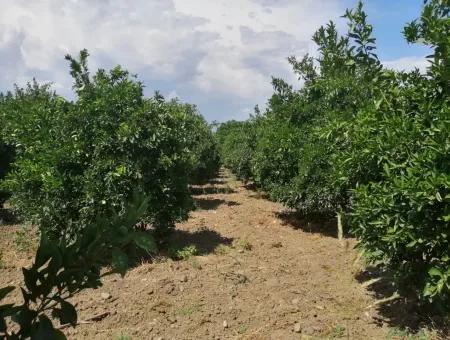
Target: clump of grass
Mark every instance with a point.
(2, 263)
(122, 337)
(22, 240)
(406, 334)
(189, 309)
(242, 329)
(183, 253)
(338, 332)
(244, 244)
(195, 264)
(221, 249)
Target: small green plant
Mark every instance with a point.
(242, 329)
(222, 249)
(397, 333)
(183, 253)
(195, 264)
(189, 309)
(337, 332)
(22, 240)
(244, 244)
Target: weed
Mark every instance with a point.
(122, 337)
(189, 309)
(184, 253)
(22, 240)
(338, 332)
(221, 249)
(406, 334)
(195, 264)
(242, 329)
(244, 244)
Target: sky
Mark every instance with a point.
(217, 54)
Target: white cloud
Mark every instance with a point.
(208, 51)
(407, 64)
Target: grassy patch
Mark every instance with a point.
(337, 332)
(243, 244)
(406, 334)
(23, 240)
(195, 264)
(222, 249)
(242, 329)
(189, 309)
(183, 253)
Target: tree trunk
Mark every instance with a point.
(340, 227)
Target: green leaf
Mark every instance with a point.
(119, 261)
(145, 241)
(411, 244)
(434, 272)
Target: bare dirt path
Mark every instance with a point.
(256, 276)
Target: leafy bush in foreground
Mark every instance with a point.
(62, 269)
(403, 220)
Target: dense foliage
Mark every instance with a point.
(77, 160)
(93, 174)
(236, 144)
(201, 141)
(6, 158)
(363, 142)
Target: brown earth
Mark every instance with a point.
(259, 274)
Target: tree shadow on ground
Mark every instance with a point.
(315, 224)
(212, 203)
(251, 186)
(210, 190)
(205, 240)
(258, 193)
(405, 312)
(215, 181)
(7, 217)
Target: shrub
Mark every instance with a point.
(182, 253)
(77, 160)
(200, 139)
(403, 218)
(237, 142)
(368, 144)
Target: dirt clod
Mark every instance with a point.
(105, 296)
